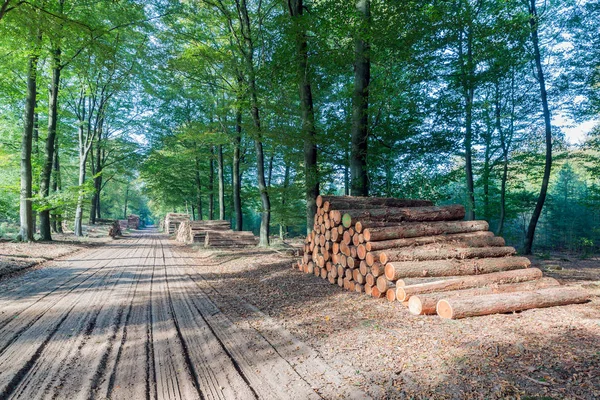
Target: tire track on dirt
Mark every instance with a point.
(19, 324)
(303, 360)
(28, 347)
(267, 372)
(215, 369)
(42, 289)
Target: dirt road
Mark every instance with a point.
(136, 319)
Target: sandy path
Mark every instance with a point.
(135, 319)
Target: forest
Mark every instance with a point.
(247, 110)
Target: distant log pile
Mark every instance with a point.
(424, 256)
(133, 222)
(123, 223)
(195, 231)
(173, 220)
(214, 233)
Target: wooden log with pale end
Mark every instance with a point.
(463, 307)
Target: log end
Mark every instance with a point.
(444, 309)
(319, 201)
(390, 295)
(389, 271)
(346, 220)
(366, 233)
(358, 227)
(401, 294)
(415, 306)
(361, 251)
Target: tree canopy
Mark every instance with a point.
(246, 110)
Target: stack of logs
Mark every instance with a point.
(195, 231)
(123, 224)
(425, 257)
(133, 222)
(214, 233)
(173, 220)
(230, 238)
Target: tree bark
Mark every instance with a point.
(221, 178)
(533, 21)
(56, 187)
(460, 307)
(309, 132)
(211, 184)
(236, 177)
(361, 203)
(426, 304)
(198, 184)
(258, 146)
(416, 229)
(437, 252)
(470, 239)
(25, 207)
(45, 231)
(283, 230)
(414, 269)
(360, 102)
(405, 214)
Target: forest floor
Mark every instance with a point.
(144, 317)
(16, 257)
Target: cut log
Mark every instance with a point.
(364, 268)
(436, 252)
(443, 213)
(368, 289)
(416, 281)
(425, 304)
(463, 307)
(416, 229)
(377, 269)
(358, 288)
(356, 202)
(390, 295)
(413, 269)
(376, 293)
(466, 282)
(370, 279)
(384, 284)
(471, 239)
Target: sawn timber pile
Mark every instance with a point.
(173, 220)
(195, 231)
(214, 233)
(425, 257)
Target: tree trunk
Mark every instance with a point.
(360, 103)
(361, 203)
(416, 229)
(97, 173)
(198, 186)
(258, 146)
(286, 184)
(437, 252)
(221, 178)
(25, 210)
(473, 239)
(426, 304)
(211, 185)
(533, 21)
(126, 201)
(403, 293)
(510, 302)
(414, 269)
(469, 93)
(236, 177)
(309, 132)
(56, 187)
(418, 214)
